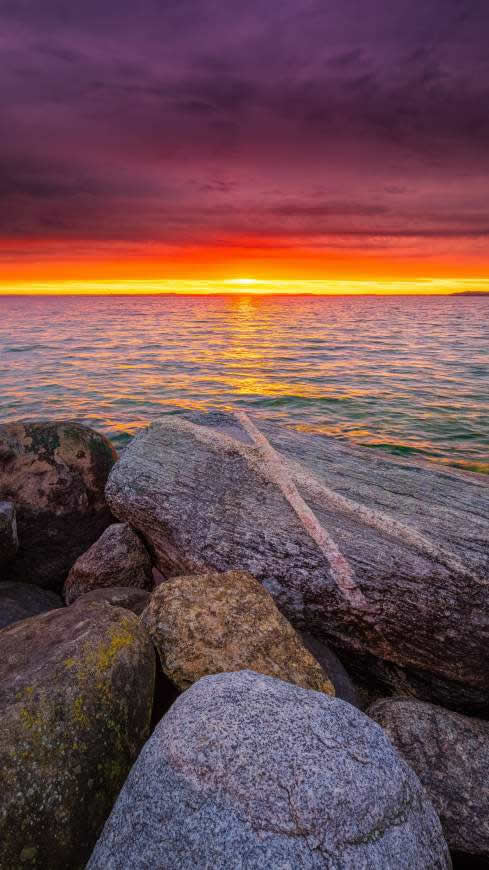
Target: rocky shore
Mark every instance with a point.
(237, 646)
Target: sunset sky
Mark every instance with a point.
(167, 142)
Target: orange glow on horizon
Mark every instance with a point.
(241, 266)
(420, 286)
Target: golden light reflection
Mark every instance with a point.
(243, 351)
(255, 286)
(373, 372)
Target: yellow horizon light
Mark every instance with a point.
(251, 286)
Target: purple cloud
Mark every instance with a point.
(197, 120)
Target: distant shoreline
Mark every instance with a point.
(141, 295)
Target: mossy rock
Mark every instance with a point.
(76, 694)
(55, 473)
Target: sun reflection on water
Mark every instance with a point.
(406, 375)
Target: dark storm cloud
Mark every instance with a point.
(203, 120)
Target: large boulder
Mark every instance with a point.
(249, 771)
(118, 558)
(118, 596)
(204, 624)
(22, 600)
(56, 474)
(386, 560)
(9, 541)
(450, 754)
(76, 692)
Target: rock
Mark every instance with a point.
(9, 542)
(332, 668)
(208, 623)
(382, 558)
(76, 691)
(56, 474)
(22, 600)
(118, 596)
(248, 771)
(450, 754)
(118, 558)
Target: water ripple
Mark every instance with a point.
(406, 375)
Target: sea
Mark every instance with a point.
(404, 374)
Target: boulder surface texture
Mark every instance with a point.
(55, 473)
(385, 559)
(76, 692)
(22, 600)
(118, 596)
(118, 558)
(9, 541)
(208, 623)
(246, 771)
(450, 754)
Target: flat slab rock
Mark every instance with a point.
(387, 560)
(246, 771)
(76, 694)
(204, 624)
(22, 600)
(450, 754)
(56, 474)
(9, 540)
(117, 558)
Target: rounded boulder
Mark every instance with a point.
(246, 771)
(117, 558)
(56, 474)
(450, 754)
(76, 694)
(208, 623)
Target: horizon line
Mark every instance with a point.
(420, 286)
(242, 292)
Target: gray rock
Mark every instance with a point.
(118, 596)
(332, 668)
(246, 771)
(9, 541)
(118, 558)
(22, 600)
(56, 474)
(76, 692)
(359, 549)
(450, 754)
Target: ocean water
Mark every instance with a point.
(402, 374)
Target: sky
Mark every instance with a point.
(212, 140)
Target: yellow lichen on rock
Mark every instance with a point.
(77, 693)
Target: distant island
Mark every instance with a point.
(471, 293)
